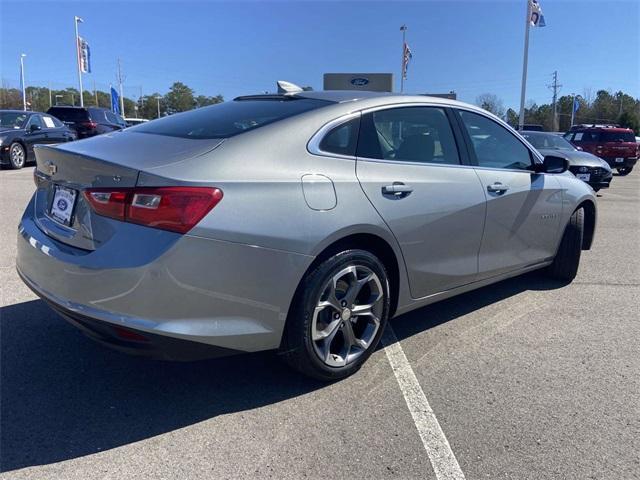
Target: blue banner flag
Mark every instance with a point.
(576, 105)
(115, 101)
(84, 55)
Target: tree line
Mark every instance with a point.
(179, 98)
(606, 108)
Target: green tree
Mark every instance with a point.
(203, 100)
(180, 98)
(149, 106)
(628, 120)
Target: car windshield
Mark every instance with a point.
(548, 141)
(12, 119)
(230, 118)
(617, 137)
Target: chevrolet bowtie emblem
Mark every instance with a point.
(51, 168)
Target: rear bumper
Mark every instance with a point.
(222, 294)
(626, 163)
(135, 342)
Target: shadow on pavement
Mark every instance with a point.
(433, 315)
(63, 396)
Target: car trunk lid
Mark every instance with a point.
(114, 161)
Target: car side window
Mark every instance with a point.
(35, 120)
(48, 122)
(408, 134)
(342, 139)
(494, 145)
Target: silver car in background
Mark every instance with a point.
(584, 165)
(301, 222)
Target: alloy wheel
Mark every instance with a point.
(347, 315)
(17, 155)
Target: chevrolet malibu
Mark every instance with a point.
(299, 221)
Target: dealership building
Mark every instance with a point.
(373, 82)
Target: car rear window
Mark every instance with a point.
(617, 137)
(69, 114)
(230, 118)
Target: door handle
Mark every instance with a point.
(398, 189)
(497, 187)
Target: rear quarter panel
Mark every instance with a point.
(260, 173)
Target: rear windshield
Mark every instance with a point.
(229, 118)
(69, 114)
(617, 137)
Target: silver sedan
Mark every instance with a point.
(299, 221)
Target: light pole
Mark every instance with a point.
(24, 87)
(158, 99)
(57, 97)
(77, 20)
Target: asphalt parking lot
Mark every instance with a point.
(528, 379)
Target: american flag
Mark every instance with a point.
(406, 58)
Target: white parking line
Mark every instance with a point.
(435, 442)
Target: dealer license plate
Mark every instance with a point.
(584, 176)
(64, 200)
(619, 160)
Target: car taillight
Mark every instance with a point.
(177, 209)
(89, 125)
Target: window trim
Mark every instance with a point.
(31, 117)
(313, 145)
(535, 156)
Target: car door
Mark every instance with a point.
(35, 133)
(523, 207)
(53, 133)
(410, 168)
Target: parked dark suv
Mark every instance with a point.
(88, 121)
(616, 146)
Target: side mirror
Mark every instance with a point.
(34, 128)
(553, 164)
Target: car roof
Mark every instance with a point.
(364, 98)
(605, 129)
(26, 112)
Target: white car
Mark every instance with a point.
(132, 122)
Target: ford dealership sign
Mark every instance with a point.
(359, 81)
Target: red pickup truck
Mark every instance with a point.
(616, 146)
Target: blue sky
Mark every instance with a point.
(235, 48)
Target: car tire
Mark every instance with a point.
(624, 171)
(338, 316)
(17, 156)
(567, 259)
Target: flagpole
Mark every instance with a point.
(24, 86)
(75, 21)
(404, 41)
(525, 64)
(573, 109)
